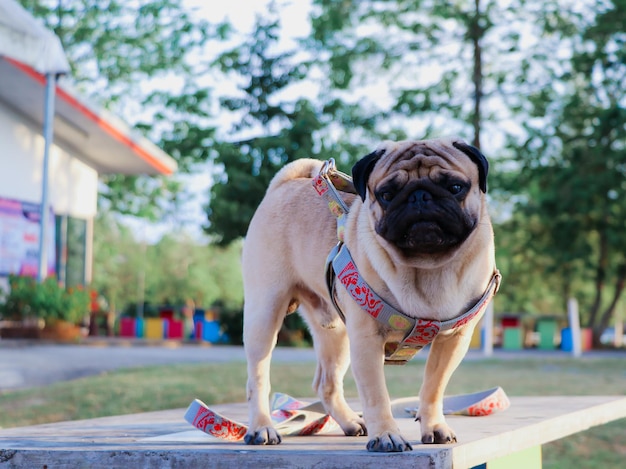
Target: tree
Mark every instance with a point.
(179, 269)
(574, 167)
(517, 56)
(172, 271)
(429, 55)
(269, 130)
(117, 256)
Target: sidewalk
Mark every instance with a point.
(25, 363)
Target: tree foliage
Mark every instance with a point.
(114, 46)
(446, 65)
(269, 130)
(573, 170)
(171, 272)
(546, 78)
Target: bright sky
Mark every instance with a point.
(242, 13)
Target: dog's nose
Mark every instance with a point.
(420, 197)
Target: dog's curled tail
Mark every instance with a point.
(302, 168)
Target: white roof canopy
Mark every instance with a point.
(29, 52)
(24, 38)
(92, 134)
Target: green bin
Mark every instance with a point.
(512, 338)
(547, 330)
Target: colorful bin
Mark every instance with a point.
(512, 338)
(546, 328)
(154, 328)
(175, 329)
(211, 331)
(512, 333)
(140, 328)
(127, 327)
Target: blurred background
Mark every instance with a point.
(231, 91)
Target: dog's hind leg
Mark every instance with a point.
(333, 359)
(263, 317)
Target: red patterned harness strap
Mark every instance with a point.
(419, 332)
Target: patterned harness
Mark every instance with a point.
(340, 266)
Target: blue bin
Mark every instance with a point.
(567, 340)
(139, 329)
(211, 331)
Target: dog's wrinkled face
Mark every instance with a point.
(424, 197)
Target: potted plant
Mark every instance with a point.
(19, 320)
(56, 309)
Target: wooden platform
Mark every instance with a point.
(164, 440)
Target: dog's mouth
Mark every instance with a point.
(428, 236)
(425, 236)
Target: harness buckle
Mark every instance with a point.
(328, 167)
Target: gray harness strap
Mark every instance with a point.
(418, 332)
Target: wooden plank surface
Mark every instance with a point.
(165, 439)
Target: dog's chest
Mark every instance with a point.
(423, 297)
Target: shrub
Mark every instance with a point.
(28, 299)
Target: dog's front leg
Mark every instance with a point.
(367, 366)
(446, 353)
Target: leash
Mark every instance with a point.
(294, 417)
(340, 266)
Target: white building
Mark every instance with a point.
(87, 142)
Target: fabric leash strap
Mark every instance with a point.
(293, 417)
(290, 416)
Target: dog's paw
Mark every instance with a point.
(388, 442)
(439, 434)
(263, 436)
(355, 428)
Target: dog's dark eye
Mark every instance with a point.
(455, 188)
(385, 196)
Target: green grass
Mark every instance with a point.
(158, 388)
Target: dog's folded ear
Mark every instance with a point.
(362, 169)
(479, 159)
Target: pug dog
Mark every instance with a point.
(418, 232)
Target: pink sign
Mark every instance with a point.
(19, 238)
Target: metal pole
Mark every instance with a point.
(574, 324)
(47, 135)
(62, 260)
(618, 340)
(488, 331)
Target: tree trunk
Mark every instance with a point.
(600, 277)
(608, 312)
(476, 33)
